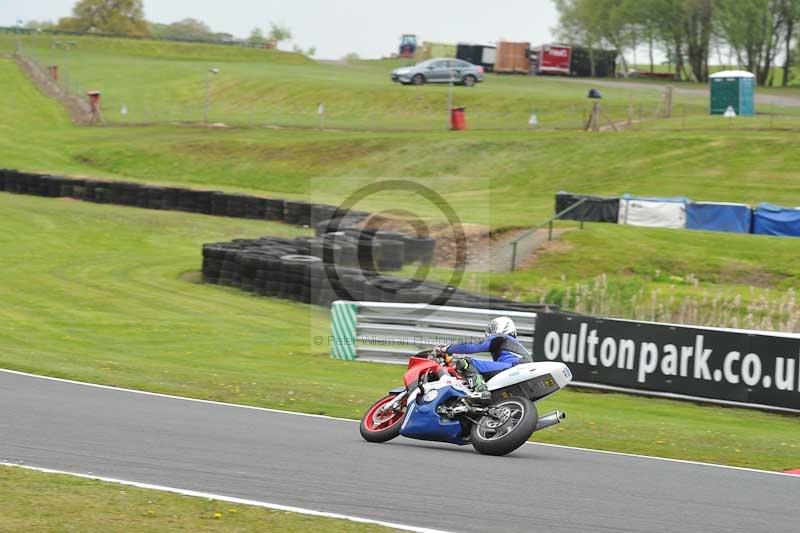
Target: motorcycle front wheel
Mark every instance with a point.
(377, 426)
(514, 423)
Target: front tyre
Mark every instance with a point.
(515, 422)
(380, 425)
(418, 79)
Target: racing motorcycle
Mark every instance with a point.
(434, 405)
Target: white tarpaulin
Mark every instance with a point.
(652, 213)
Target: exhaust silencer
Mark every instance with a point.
(550, 419)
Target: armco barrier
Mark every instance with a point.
(391, 332)
(712, 365)
(747, 368)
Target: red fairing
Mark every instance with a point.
(418, 366)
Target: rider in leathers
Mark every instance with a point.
(501, 341)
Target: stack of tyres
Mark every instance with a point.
(186, 200)
(392, 250)
(229, 265)
(29, 184)
(142, 198)
(78, 189)
(155, 198)
(171, 196)
(237, 205)
(119, 191)
(3, 173)
(274, 209)
(50, 186)
(213, 258)
(297, 213)
(219, 203)
(68, 188)
(347, 248)
(101, 192)
(10, 181)
(255, 208)
(296, 279)
(419, 249)
(249, 264)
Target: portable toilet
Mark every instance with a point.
(734, 88)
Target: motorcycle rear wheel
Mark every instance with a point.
(493, 437)
(381, 427)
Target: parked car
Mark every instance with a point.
(439, 71)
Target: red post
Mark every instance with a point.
(458, 119)
(54, 72)
(94, 104)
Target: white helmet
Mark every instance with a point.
(501, 325)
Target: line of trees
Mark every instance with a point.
(753, 33)
(126, 17)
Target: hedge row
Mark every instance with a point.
(336, 266)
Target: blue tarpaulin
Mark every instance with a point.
(771, 219)
(711, 216)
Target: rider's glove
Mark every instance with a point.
(440, 350)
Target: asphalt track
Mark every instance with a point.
(322, 464)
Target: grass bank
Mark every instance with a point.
(109, 295)
(35, 501)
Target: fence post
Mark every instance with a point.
(513, 255)
(550, 231)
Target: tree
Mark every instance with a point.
(121, 17)
(790, 10)
(697, 26)
(278, 33)
(257, 36)
(753, 28)
(39, 25)
(187, 29)
(577, 25)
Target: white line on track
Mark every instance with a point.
(230, 499)
(293, 413)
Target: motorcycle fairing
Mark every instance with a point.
(422, 422)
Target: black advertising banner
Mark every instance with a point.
(716, 364)
(594, 209)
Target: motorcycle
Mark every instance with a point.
(434, 405)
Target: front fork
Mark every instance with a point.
(394, 405)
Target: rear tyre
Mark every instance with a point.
(469, 81)
(492, 436)
(418, 79)
(379, 426)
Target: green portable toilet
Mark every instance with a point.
(734, 88)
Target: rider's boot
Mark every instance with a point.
(480, 392)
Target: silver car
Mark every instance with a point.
(439, 71)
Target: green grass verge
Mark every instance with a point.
(160, 81)
(36, 501)
(108, 294)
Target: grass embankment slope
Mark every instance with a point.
(142, 323)
(164, 81)
(34, 501)
(101, 293)
(501, 179)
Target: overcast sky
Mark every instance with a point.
(372, 28)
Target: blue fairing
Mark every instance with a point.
(422, 422)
